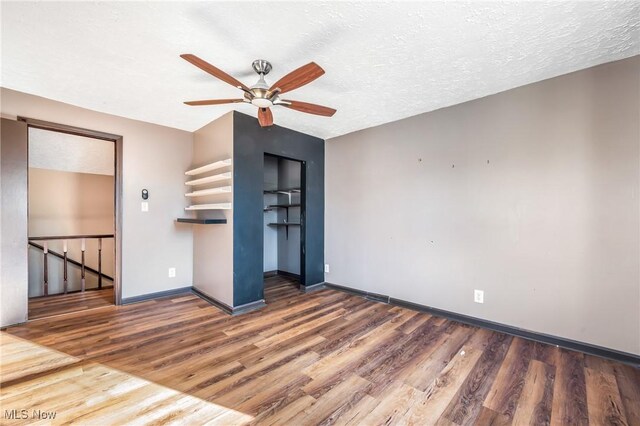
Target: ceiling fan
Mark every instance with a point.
(261, 94)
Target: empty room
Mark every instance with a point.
(312, 213)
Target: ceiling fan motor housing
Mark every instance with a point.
(261, 66)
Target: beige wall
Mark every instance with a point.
(13, 222)
(67, 203)
(154, 157)
(531, 195)
(213, 244)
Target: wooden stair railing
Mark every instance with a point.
(72, 261)
(83, 268)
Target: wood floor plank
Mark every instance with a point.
(356, 414)
(394, 407)
(350, 354)
(570, 394)
(354, 328)
(271, 381)
(534, 406)
(286, 414)
(599, 364)
(253, 371)
(486, 417)
(507, 386)
(21, 359)
(299, 329)
(628, 380)
(426, 368)
(466, 405)
(432, 403)
(325, 357)
(400, 357)
(603, 399)
(413, 323)
(546, 353)
(335, 402)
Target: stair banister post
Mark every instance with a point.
(45, 272)
(65, 248)
(82, 248)
(99, 262)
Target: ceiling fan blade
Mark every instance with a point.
(216, 72)
(310, 108)
(214, 102)
(298, 78)
(265, 117)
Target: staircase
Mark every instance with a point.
(42, 244)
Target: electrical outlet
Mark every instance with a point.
(478, 296)
(172, 272)
(144, 206)
(326, 268)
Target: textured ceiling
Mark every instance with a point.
(383, 61)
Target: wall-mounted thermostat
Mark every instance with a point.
(145, 194)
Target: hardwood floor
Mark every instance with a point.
(89, 393)
(40, 307)
(326, 357)
(280, 287)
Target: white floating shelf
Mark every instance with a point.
(209, 167)
(219, 206)
(209, 179)
(210, 191)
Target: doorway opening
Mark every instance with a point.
(283, 263)
(73, 219)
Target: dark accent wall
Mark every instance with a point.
(250, 143)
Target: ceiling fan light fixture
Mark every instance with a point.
(262, 102)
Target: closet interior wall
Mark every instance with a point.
(289, 236)
(282, 242)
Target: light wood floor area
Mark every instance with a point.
(56, 388)
(325, 357)
(46, 306)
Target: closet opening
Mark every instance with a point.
(283, 227)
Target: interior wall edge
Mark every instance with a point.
(212, 260)
(13, 222)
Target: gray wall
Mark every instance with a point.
(270, 255)
(530, 195)
(213, 244)
(13, 223)
(289, 244)
(155, 157)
